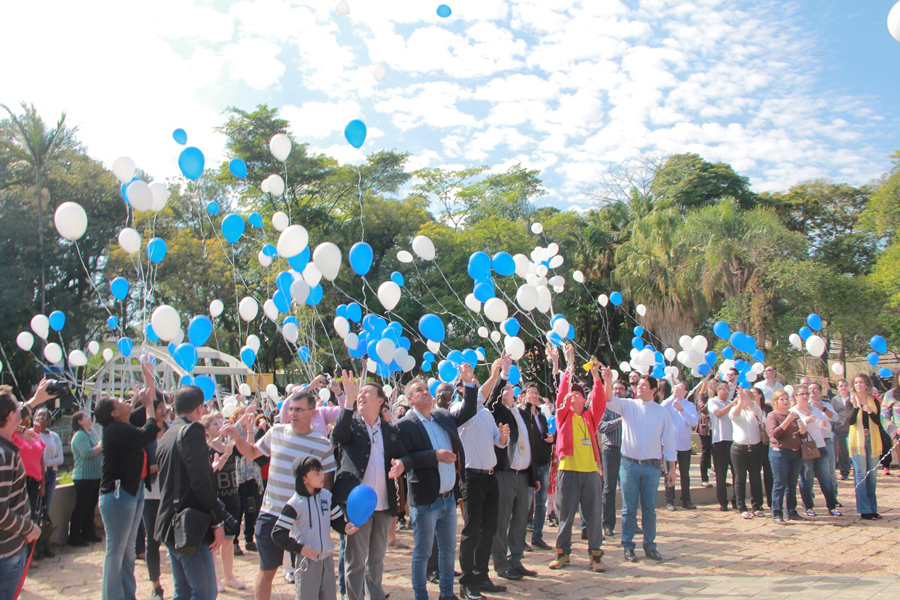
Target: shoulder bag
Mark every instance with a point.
(808, 448)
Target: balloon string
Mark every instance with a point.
(362, 225)
(337, 362)
(11, 371)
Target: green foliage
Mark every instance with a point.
(687, 181)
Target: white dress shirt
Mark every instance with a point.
(746, 424)
(375, 476)
(683, 421)
(479, 435)
(818, 427)
(768, 389)
(722, 431)
(647, 430)
(521, 458)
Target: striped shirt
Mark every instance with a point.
(283, 445)
(87, 466)
(611, 429)
(15, 511)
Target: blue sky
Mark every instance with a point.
(784, 91)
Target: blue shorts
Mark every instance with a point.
(271, 556)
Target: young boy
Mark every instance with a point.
(303, 528)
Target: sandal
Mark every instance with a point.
(836, 513)
(810, 513)
(759, 513)
(236, 583)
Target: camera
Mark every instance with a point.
(59, 388)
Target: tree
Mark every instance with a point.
(622, 181)
(508, 195)
(882, 215)
(448, 189)
(687, 181)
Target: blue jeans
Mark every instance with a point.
(11, 570)
(121, 518)
(611, 458)
(194, 574)
(786, 466)
(342, 581)
(540, 504)
(866, 503)
(49, 487)
(818, 468)
(639, 486)
(436, 519)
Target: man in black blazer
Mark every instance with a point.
(186, 481)
(433, 460)
(367, 444)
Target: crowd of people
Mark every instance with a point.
(171, 471)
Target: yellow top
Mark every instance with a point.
(582, 458)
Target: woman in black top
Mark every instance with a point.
(121, 489)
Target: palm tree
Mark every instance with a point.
(34, 145)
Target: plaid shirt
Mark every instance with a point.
(15, 511)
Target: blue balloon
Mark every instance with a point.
(186, 356)
(271, 251)
(206, 383)
(428, 356)
(156, 250)
(479, 266)
(119, 288)
(125, 346)
(57, 320)
(354, 312)
(658, 372)
(638, 331)
(873, 359)
(199, 330)
(304, 353)
(804, 332)
(637, 343)
(511, 326)
(248, 357)
(738, 338)
(432, 328)
(503, 264)
(556, 339)
(516, 391)
(728, 353)
(470, 357)
(711, 357)
(315, 295)
(291, 319)
(341, 311)
(299, 262)
(551, 424)
(447, 371)
(255, 219)
(814, 321)
(405, 343)
(759, 356)
(113, 322)
(884, 372)
(191, 161)
(361, 257)
(171, 348)
(616, 298)
(282, 301)
(660, 359)
(397, 278)
(284, 281)
(151, 334)
(456, 357)
(426, 366)
(443, 11)
(123, 189)
(213, 208)
(878, 344)
(233, 227)
(371, 349)
(187, 380)
(570, 335)
(721, 329)
(703, 369)
(515, 375)
(484, 291)
(180, 136)
(434, 386)
(238, 167)
(355, 132)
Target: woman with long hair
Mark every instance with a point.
(785, 430)
(86, 449)
(865, 445)
(818, 425)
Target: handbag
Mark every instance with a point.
(190, 524)
(763, 432)
(808, 449)
(42, 518)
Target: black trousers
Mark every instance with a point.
(250, 498)
(721, 452)
(151, 509)
(481, 496)
(768, 481)
(87, 494)
(705, 457)
(747, 462)
(684, 470)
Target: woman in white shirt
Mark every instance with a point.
(816, 424)
(746, 453)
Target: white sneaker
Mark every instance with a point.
(747, 514)
(288, 575)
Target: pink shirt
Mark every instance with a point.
(30, 451)
(325, 416)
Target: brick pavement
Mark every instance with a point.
(710, 555)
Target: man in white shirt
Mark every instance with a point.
(647, 436)
(722, 437)
(768, 386)
(684, 418)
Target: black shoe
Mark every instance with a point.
(584, 535)
(433, 577)
(526, 572)
(470, 593)
(630, 556)
(237, 550)
(48, 553)
(608, 531)
(511, 574)
(639, 530)
(457, 574)
(542, 545)
(96, 539)
(77, 543)
(877, 516)
(867, 517)
(453, 597)
(653, 555)
(251, 546)
(486, 585)
(688, 505)
(527, 547)
(670, 506)
(795, 516)
(724, 508)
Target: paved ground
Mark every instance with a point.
(710, 555)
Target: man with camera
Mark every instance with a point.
(191, 520)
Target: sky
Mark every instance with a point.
(784, 91)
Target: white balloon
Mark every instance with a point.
(404, 256)
(245, 390)
(160, 195)
(351, 341)
(557, 280)
(312, 275)
(280, 146)
(539, 255)
(53, 353)
(215, 308)
(123, 169)
(385, 349)
(408, 366)
(130, 240)
(327, 257)
(270, 310)
(248, 308)
(544, 299)
(228, 410)
(578, 276)
(71, 221)
(522, 264)
(699, 344)
(379, 72)
(558, 289)
(264, 259)
(264, 186)
(433, 346)
(541, 270)
(276, 184)
(108, 354)
(40, 324)
(341, 326)
(641, 309)
(837, 369)
(389, 294)
(272, 392)
(751, 376)
(179, 336)
(815, 345)
(647, 356)
(496, 310)
(602, 299)
(669, 354)
(527, 297)
(253, 342)
(796, 341)
(93, 347)
(557, 261)
(615, 374)
(495, 336)
(686, 342)
(552, 249)
(893, 21)
(515, 347)
(139, 195)
(371, 367)
(400, 356)
(473, 303)
(789, 389)
(77, 358)
(536, 228)
(299, 291)
(624, 367)
(342, 7)
(561, 327)
(424, 247)
(483, 331)
(292, 241)
(25, 341)
(758, 368)
(280, 222)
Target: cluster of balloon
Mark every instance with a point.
(879, 346)
(448, 369)
(615, 298)
(805, 337)
(384, 343)
(646, 359)
(42, 325)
